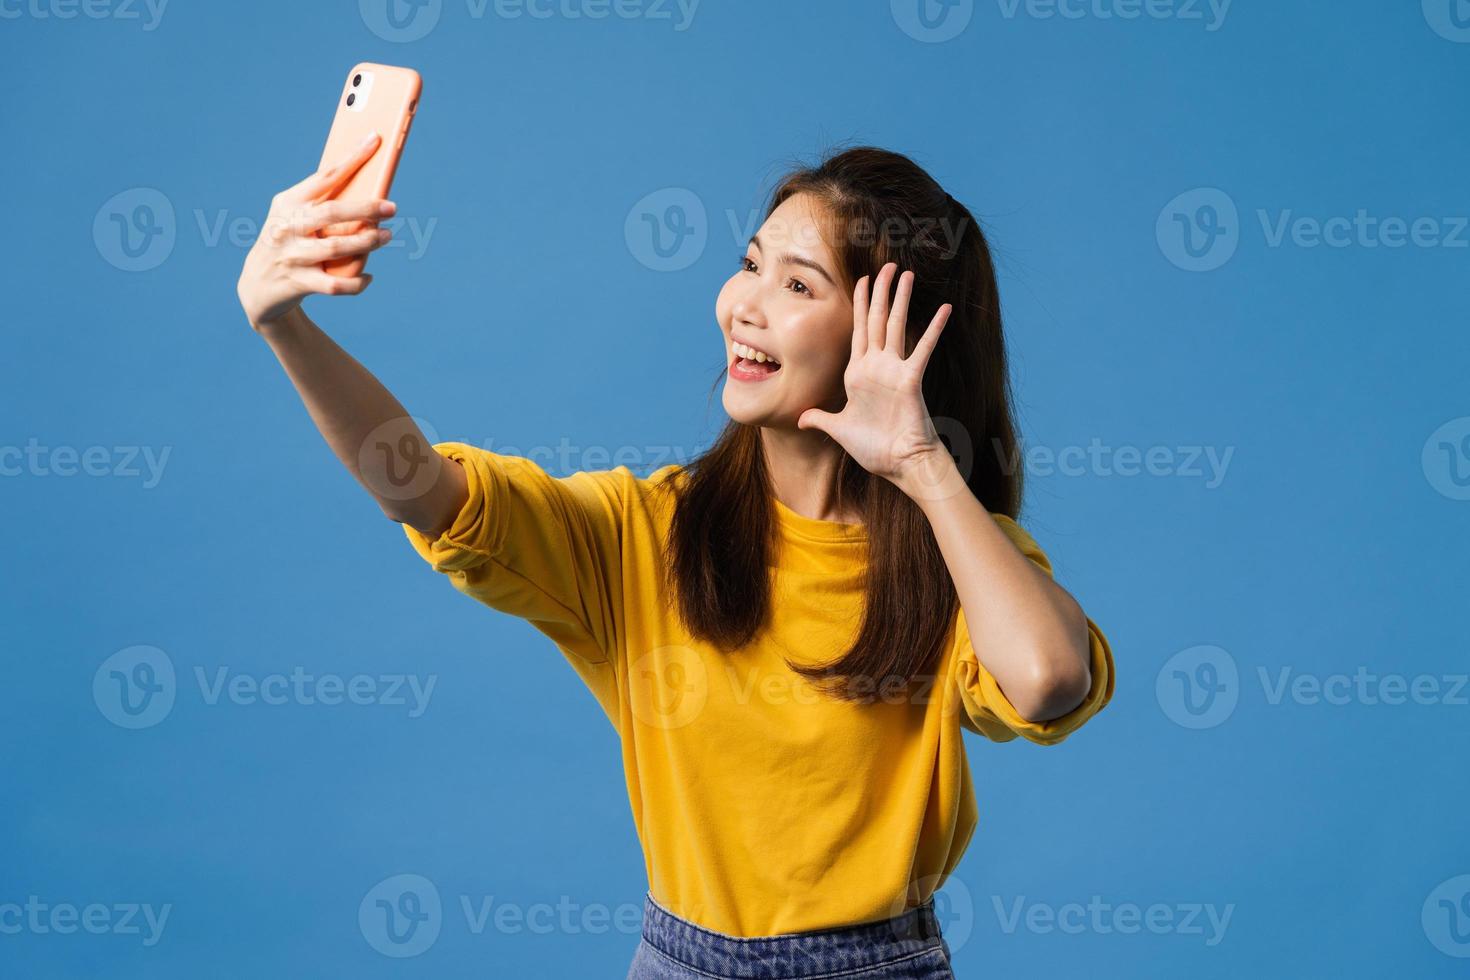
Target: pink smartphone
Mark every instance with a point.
(378, 99)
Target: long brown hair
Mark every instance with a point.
(883, 208)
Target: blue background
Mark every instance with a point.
(1333, 541)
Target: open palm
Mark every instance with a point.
(885, 425)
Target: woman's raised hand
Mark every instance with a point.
(885, 425)
(284, 265)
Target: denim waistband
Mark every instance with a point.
(799, 954)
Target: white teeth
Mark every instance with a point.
(751, 354)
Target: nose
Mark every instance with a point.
(749, 309)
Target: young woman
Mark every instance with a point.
(790, 632)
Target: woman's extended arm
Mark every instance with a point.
(371, 433)
(367, 428)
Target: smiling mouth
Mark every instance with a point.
(751, 364)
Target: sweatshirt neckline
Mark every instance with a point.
(796, 525)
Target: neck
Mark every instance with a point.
(803, 466)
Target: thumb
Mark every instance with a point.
(815, 418)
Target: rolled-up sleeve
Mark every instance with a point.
(985, 708)
(546, 549)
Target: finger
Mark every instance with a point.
(926, 343)
(328, 218)
(317, 281)
(310, 186)
(860, 318)
(878, 310)
(325, 182)
(344, 228)
(313, 251)
(347, 216)
(899, 317)
(348, 166)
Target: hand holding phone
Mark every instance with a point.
(318, 232)
(376, 99)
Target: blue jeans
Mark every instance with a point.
(906, 947)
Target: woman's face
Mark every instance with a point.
(788, 301)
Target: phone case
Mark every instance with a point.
(375, 98)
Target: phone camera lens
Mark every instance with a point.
(351, 98)
(357, 80)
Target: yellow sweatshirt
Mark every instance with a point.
(762, 807)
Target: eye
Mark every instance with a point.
(799, 287)
(746, 263)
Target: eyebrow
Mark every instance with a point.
(795, 260)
